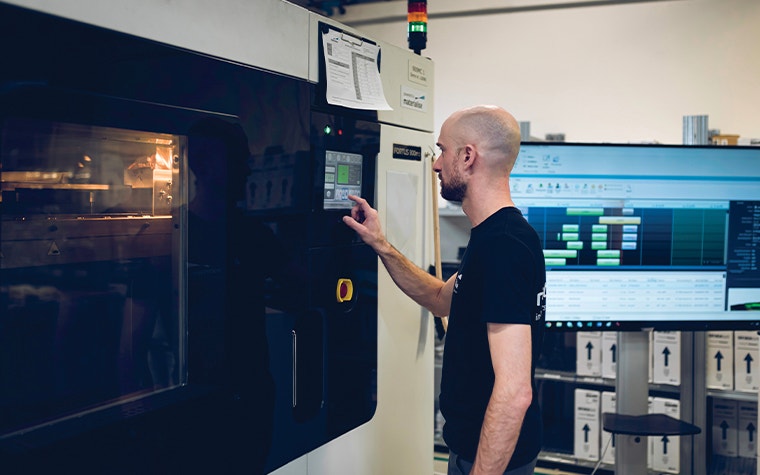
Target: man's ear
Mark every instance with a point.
(469, 154)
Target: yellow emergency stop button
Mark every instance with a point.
(344, 292)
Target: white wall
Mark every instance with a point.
(607, 73)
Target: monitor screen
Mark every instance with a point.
(343, 177)
(645, 236)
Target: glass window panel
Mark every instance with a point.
(91, 249)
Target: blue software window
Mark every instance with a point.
(645, 236)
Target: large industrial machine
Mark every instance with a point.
(177, 289)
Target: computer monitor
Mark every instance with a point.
(635, 237)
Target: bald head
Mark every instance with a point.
(493, 130)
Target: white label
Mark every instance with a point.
(413, 99)
(417, 73)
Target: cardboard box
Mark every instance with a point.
(725, 423)
(587, 424)
(609, 355)
(746, 365)
(747, 429)
(720, 360)
(588, 354)
(607, 439)
(725, 139)
(665, 450)
(666, 358)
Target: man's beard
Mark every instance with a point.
(453, 191)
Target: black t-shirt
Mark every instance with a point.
(501, 279)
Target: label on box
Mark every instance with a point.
(665, 450)
(589, 354)
(666, 358)
(746, 356)
(725, 422)
(720, 360)
(586, 433)
(747, 429)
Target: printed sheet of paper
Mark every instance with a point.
(353, 77)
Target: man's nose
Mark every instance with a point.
(436, 163)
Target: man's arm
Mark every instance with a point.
(511, 353)
(423, 288)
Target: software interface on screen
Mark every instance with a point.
(343, 177)
(634, 235)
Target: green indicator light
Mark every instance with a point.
(417, 27)
(328, 130)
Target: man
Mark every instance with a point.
(495, 302)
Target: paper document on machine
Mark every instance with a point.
(352, 71)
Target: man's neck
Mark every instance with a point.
(479, 208)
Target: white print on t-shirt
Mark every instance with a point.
(540, 303)
(456, 282)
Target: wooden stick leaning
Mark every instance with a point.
(437, 235)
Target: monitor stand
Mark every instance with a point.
(632, 423)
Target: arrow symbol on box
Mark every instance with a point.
(724, 430)
(666, 352)
(589, 347)
(613, 350)
(748, 359)
(751, 431)
(718, 358)
(665, 441)
(586, 430)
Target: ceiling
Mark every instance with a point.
(446, 8)
(331, 7)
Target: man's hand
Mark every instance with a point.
(423, 288)
(365, 221)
